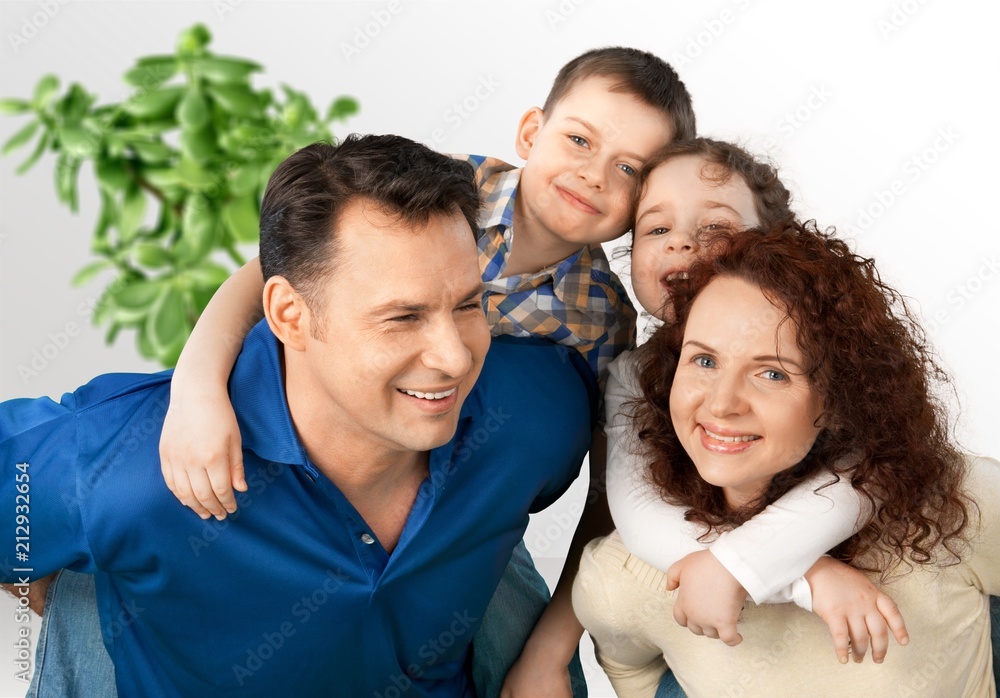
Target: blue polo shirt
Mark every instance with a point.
(292, 595)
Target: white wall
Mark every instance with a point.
(853, 99)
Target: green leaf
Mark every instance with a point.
(224, 69)
(107, 216)
(161, 177)
(67, 169)
(78, 141)
(20, 138)
(242, 218)
(238, 100)
(193, 175)
(74, 105)
(167, 321)
(89, 272)
(43, 143)
(193, 110)
(342, 108)
(111, 175)
(246, 180)
(152, 152)
(152, 71)
(14, 106)
(207, 275)
(45, 90)
(149, 254)
(133, 209)
(193, 41)
(154, 104)
(134, 300)
(198, 144)
(199, 229)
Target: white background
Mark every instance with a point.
(849, 98)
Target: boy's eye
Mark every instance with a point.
(627, 169)
(658, 231)
(580, 140)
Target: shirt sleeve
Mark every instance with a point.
(41, 499)
(776, 547)
(983, 486)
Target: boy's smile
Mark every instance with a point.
(576, 186)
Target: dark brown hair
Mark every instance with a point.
(310, 189)
(638, 73)
(723, 160)
(868, 359)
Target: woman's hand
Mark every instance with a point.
(533, 675)
(855, 610)
(201, 454)
(709, 599)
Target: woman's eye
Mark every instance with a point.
(703, 361)
(773, 375)
(627, 169)
(580, 140)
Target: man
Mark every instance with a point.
(391, 464)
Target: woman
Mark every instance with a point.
(794, 359)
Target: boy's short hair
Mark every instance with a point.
(309, 190)
(771, 198)
(638, 73)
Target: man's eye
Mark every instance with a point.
(471, 306)
(580, 140)
(404, 318)
(627, 169)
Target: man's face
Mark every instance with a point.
(402, 335)
(581, 159)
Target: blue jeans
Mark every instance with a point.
(72, 662)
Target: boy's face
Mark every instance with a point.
(581, 158)
(677, 206)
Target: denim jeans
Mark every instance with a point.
(70, 660)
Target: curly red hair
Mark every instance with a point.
(867, 357)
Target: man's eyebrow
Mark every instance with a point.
(401, 306)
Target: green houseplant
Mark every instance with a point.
(181, 166)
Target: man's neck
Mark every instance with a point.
(533, 247)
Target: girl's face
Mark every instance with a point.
(740, 404)
(677, 205)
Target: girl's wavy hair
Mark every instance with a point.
(871, 363)
(771, 198)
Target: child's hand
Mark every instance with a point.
(709, 599)
(201, 455)
(855, 610)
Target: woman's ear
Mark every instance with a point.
(287, 314)
(527, 131)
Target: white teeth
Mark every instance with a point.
(731, 439)
(679, 275)
(428, 396)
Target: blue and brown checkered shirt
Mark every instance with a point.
(579, 302)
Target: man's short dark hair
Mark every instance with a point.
(310, 190)
(638, 73)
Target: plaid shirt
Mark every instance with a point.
(578, 302)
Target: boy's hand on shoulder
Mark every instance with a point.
(201, 455)
(709, 599)
(855, 610)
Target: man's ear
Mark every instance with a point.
(287, 314)
(527, 131)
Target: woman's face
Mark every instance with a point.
(739, 404)
(679, 203)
